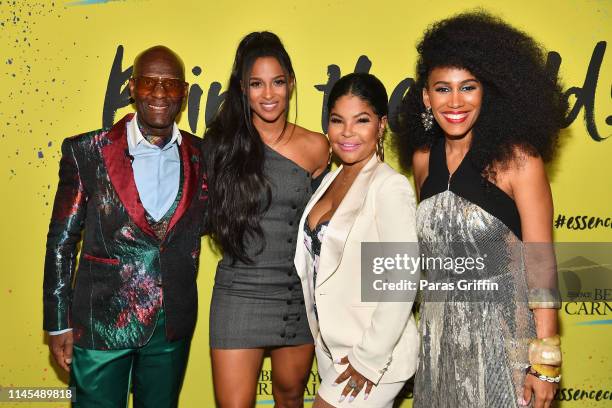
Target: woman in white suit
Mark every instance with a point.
(365, 350)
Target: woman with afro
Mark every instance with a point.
(478, 125)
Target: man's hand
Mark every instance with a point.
(61, 349)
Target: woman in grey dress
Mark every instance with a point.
(481, 119)
(259, 170)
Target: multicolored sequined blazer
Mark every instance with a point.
(125, 272)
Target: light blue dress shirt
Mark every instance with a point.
(157, 171)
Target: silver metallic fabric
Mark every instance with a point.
(474, 348)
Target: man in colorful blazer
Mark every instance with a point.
(134, 196)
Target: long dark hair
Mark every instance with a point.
(238, 192)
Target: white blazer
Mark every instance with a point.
(380, 338)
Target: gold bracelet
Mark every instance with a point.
(542, 377)
(549, 371)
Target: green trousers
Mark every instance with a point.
(153, 372)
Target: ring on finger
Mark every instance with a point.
(352, 384)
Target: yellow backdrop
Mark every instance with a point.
(56, 61)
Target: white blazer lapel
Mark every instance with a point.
(303, 259)
(342, 222)
(300, 259)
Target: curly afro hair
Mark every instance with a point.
(523, 105)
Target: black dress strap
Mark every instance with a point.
(437, 177)
(468, 183)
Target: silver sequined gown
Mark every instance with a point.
(473, 350)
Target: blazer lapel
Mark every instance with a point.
(300, 256)
(302, 259)
(342, 222)
(121, 175)
(190, 159)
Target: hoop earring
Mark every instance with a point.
(380, 148)
(427, 119)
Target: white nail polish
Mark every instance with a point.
(342, 397)
(336, 361)
(365, 396)
(351, 399)
(334, 384)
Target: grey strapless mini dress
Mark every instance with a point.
(262, 304)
